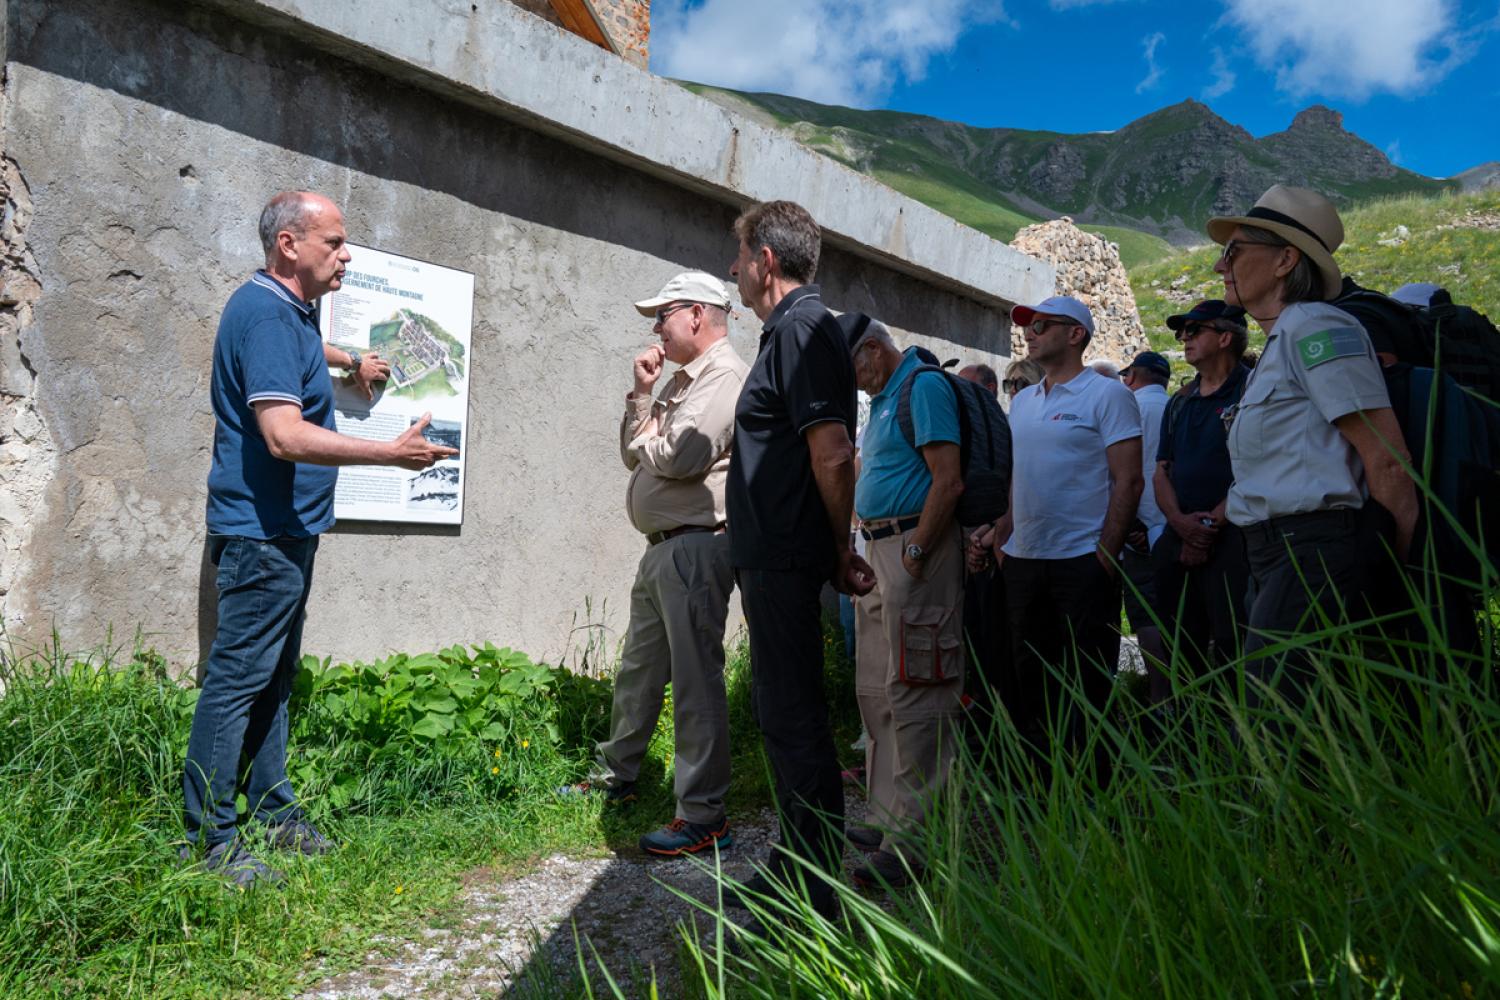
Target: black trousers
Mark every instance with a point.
(1202, 604)
(785, 620)
(1302, 567)
(1063, 613)
(992, 682)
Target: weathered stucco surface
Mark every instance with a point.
(149, 135)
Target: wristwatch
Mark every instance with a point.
(354, 359)
(914, 553)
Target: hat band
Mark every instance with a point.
(1271, 215)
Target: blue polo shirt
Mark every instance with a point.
(268, 347)
(893, 476)
(1198, 445)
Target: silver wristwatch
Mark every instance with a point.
(355, 359)
(914, 553)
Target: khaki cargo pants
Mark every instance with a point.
(909, 679)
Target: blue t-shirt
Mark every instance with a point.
(268, 347)
(893, 476)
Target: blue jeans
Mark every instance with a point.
(247, 682)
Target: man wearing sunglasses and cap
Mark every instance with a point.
(1199, 561)
(1314, 441)
(1074, 490)
(676, 447)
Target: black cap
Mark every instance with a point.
(1207, 311)
(855, 326)
(1151, 361)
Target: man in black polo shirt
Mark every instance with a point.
(1200, 559)
(788, 503)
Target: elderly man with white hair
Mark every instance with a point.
(910, 649)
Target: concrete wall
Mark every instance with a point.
(141, 139)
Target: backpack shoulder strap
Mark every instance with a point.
(903, 403)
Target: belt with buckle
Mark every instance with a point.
(657, 537)
(889, 528)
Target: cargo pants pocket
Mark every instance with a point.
(931, 646)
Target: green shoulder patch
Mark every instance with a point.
(1325, 345)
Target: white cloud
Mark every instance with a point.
(1153, 71)
(1393, 152)
(832, 51)
(1351, 50)
(1223, 81)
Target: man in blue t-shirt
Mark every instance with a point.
(909, 662)
(270, 495)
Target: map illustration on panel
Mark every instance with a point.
(426, 360)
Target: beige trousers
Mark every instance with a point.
(909, 680)
(677, 611)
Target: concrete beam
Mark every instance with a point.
(512, 64)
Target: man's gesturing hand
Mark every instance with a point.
(648, 366)
(413, 451)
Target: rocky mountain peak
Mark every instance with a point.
(1318, 117)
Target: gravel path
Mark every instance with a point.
(502, 936)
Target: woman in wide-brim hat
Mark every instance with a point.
(1313, 442)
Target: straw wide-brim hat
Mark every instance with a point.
(1305, 219)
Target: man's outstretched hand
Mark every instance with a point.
(413, 451)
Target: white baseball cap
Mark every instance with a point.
(1057, 305)
(689, 286)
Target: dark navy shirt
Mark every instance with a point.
(268, 347)
(1195, 441)
(802, 376)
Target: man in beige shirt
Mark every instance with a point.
(677, 448)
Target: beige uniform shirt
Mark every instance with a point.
(1287, 455)
(677, 445)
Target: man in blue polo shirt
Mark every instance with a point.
(270, 495)
(910, 647)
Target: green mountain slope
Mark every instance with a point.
(1449, 239)
(1145, 186)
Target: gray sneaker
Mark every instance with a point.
(235, 865)
(298, 835)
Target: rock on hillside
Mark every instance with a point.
(1089, 269)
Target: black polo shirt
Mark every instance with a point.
(802, 375)
(1194, 440)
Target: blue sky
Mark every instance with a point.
(1418, 78)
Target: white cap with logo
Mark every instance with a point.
(689, 286)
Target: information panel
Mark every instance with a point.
(417, 316)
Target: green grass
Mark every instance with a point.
(1429, 248)
(94, 903)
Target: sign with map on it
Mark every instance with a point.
(418, 317)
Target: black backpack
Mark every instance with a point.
(984, 443)
(1458, 341)
(1454, 441)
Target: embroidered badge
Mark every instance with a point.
(1325, 345)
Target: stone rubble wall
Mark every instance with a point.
(28, 458)
(1089, 269)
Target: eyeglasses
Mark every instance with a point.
(1233, 247)
(1014, 385)
(662, 314)
(1039, 326)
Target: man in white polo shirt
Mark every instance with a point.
(1076, 483)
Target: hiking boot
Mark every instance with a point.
(864, 838)
(884, 870)
(738, 895)
(681, 837)
(298, 835)
(235, 865)
(614, 795)
(766, 894)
